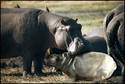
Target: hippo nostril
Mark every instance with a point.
(81, 43)
(76, 39)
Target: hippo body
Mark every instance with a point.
(29, 32)
(92, 66)
(115, 37)
(116, 11)
(21, 36)
(98, 44)
(81, 65)
(114, 33)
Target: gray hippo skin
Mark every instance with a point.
(30, 32)
(116, 11)
(98, 44)
(92, 66)
(114, 36)
(114, 30)
(81, 65)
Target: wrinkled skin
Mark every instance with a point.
(114, 35)
(30, 32)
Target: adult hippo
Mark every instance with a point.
(92, 66)
(115, 37)
(29, 32)
(114, 31)
(98, 44)
(116, 11)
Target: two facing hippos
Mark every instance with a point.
(29, 32)
(94, 66)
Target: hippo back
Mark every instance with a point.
(114, 33)
(112, 14)
(98, 43)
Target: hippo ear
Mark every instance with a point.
(49, 51)
(63, 22)
(47, 9)
(76, 20)
(67, 28)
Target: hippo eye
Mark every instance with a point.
(49, 56)
(58, 59)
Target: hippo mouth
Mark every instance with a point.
(75, 45)
(49, 62)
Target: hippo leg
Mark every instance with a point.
(38, 65)
(27, 64)
(120, 67)
(59, 72)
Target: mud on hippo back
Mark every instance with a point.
(29, 32)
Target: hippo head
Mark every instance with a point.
(54, 57)
(63, 29)
(66, 31)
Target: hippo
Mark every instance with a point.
(29, 32)
(98, 43)
(79, 65)
(114, 35)
(116, 11)
(92, 66)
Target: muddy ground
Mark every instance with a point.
(13, 75)
(11, 72)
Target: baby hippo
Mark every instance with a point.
(92, 66)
